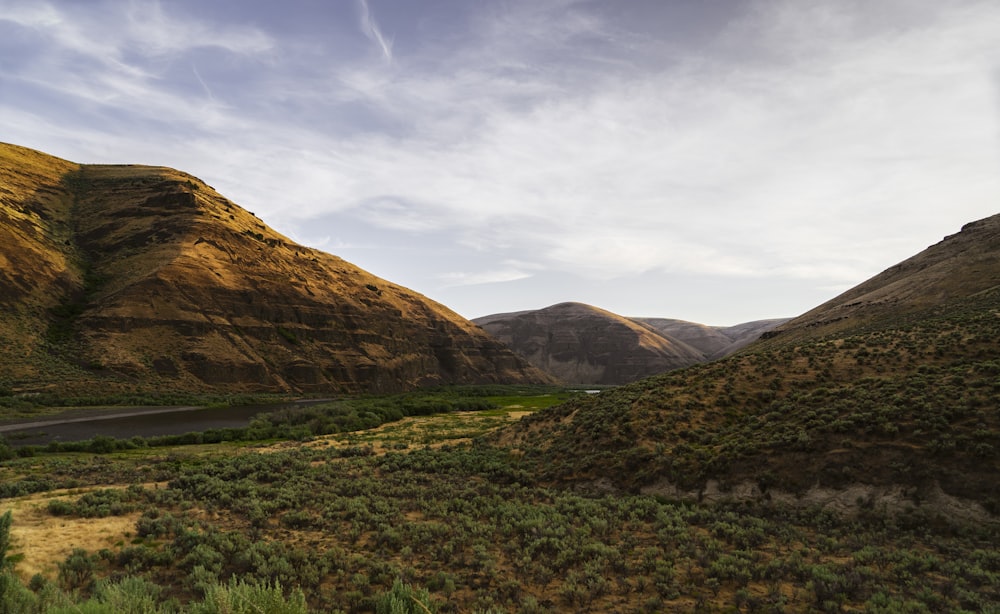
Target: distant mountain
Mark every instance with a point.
(582, 344)
(885, 397)
(712, 341)
(120, 278)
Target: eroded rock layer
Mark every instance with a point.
(137, 277)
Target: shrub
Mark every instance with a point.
(77, 571)
(403, 599)
(239, 597)
(130, 595)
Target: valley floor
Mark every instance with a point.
(413, 506)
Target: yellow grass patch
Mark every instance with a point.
(45, 540)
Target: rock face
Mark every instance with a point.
(132, 277)
(581, 344)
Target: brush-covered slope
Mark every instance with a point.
(581, 344)
(960, 266)
(136, 277)
(888, 395)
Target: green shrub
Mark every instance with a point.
(129, 595)
(403, 599)
(77, 571)
(239, 597)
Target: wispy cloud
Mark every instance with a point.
(510, 271)
(118, 61)
(814, 141)
(785, 163)
(151, 30)
(371, 30)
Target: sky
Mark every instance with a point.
(718, 161)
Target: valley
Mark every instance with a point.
(844, 460)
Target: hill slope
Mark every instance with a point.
(581, 344)
(712, 341)
(887, 395)
(134, 277)
(958, 267)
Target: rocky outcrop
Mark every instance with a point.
(136, 277)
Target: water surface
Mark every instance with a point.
(137, 421)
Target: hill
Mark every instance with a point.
(883, 397)
(712, 341)
(960, 267)
(123, 277)
(581, 344)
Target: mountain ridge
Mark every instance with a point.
(141, 276)
(923, 281)
(584, 344)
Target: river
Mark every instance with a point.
(123, 423)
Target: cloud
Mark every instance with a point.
(807, 158)
(117, 62)
(141, 28)
(812, 141)
(150, 30)
(483, 277)
(499, 272)
(371, 30)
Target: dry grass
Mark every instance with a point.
(44, 540)
(430, 431)
(120, 278)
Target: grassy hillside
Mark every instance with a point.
(889, 401)
(39, 263)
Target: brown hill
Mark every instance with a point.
(959, 266)
(581, 344)
(885, 397)
(712, 341)
(136, 277)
